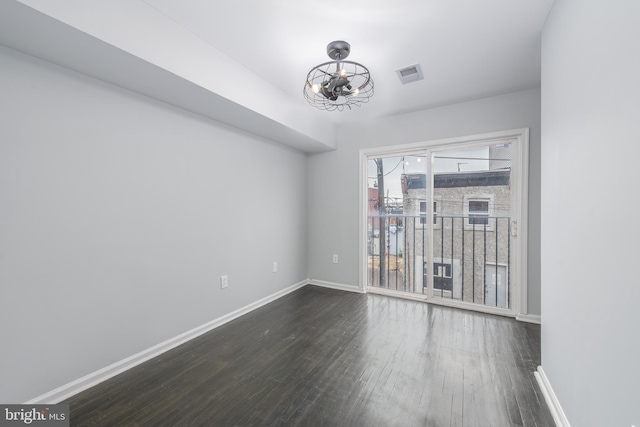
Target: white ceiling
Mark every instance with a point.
(256, 53)
(467, 48)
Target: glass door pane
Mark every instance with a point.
(472, 207)
(397, 226)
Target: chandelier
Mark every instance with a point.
(338, 83)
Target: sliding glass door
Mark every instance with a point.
(472, 213)
(397, 233)
(442, 221)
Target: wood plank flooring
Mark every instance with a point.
(321, 357)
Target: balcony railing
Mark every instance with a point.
(470, 256)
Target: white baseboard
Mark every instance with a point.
(550, 397)
(94, 378)
(338, 286)
(529, 318)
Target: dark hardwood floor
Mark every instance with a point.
(320, 357)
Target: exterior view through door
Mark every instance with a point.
(441, 223)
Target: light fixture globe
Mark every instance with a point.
(337, 84)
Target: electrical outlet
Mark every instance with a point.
(224, 281)
(275, 266)
(335, 258)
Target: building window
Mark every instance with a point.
(435, 212)
(423, 212)
(479, 212)
(442, 276)
(442, 270)
(478, 209)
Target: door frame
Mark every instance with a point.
(520, 203)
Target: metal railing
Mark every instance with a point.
(470, 256)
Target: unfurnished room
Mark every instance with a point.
(319, 213)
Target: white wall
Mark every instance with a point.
(118, 214)
(333, 176)
(590, 169)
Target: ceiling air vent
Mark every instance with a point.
(409, 74)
